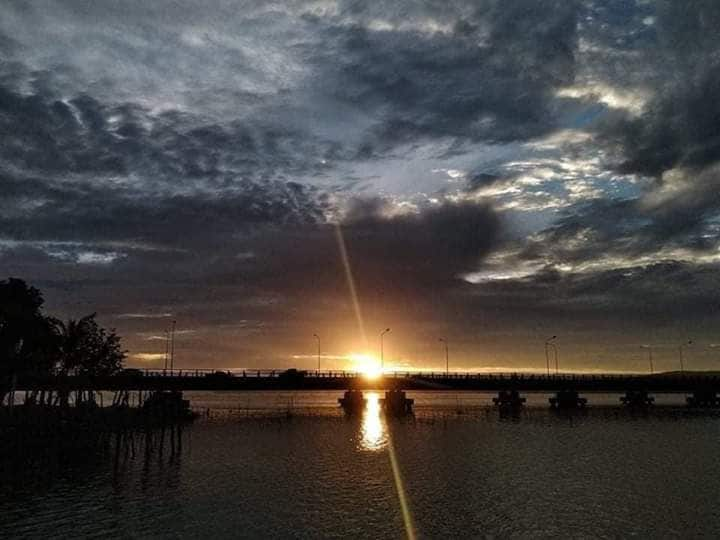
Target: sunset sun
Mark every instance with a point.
(365, 364)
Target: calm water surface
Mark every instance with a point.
(283, 465)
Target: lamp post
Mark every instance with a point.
(650, 358)
(447, 357)
(382, 353)
(172, 346)
(547, 358)
(318, 350)
(167, 348)
(682, 359)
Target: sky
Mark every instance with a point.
(490, 172)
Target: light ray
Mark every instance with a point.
(397, 477)
(351, 281)
(400, 488)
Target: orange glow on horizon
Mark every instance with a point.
(366, 364)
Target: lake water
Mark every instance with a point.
(290, 465)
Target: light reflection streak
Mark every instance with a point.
(373, 430)
(375, 436)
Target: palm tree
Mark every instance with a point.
(33, 346)
(87, 350)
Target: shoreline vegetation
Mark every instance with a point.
(35, 346)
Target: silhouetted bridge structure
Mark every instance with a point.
(637, 389)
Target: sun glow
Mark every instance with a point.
(366, 364)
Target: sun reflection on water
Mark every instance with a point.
(374, 437)
(373, 432)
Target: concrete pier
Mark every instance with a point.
(353, 402)
(509, 399)
(567, 399)
(637, 399)
(703, 398)
(396, 403)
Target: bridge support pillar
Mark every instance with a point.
(637, 399)
(352, 402)
(703, 398)
(396, 403)
(509, 399)
(567, 399)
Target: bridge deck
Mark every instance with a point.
(342, 380)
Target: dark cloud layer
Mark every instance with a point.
(82, 136)
(679, 128)
(200, 161)
(669, 52)
(82, 212)
(490, 76)
(267, 271)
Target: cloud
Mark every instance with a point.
(168, 157)
(489, 75)
(636, 295)
(391, 255)
(676, 139)
(368, 77)
(85, 212)
(125, 143)
(144, 316)
(435, 244)
(295, 278)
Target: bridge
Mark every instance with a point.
(703, 388)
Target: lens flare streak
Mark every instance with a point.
(400, 488)
(351, 281)
(372, 424)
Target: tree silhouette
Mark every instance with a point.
(85, 348)
(33, 345)
(27, 342)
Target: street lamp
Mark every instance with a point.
(318, 350)
(167, 348)
(382, 354)
(172, 346)
(547, 358)
(650, 358)
(682, 359)
(447, 357)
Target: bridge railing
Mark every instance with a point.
(422, 375)
(240, 373)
